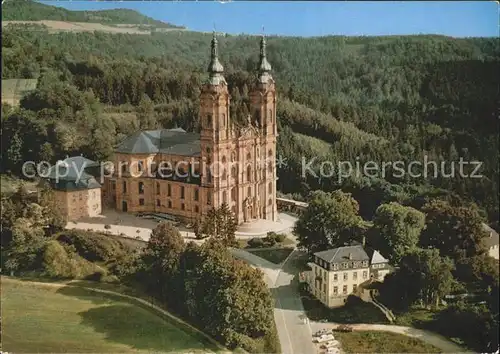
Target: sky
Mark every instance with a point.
(311, 18)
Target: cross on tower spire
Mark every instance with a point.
(264, 66)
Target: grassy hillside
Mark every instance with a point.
(14, 89)
(28, 10)
(58, 319)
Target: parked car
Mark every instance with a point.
(323, 338)
(343, 328)
(322, 331)
(333, 350)
(331, 343)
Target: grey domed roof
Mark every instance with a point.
(169, 141)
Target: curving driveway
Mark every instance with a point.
(295, 336)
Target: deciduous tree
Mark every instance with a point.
(161, 259)
(329, 221)
(423, 277)
(220, 223)
(396, 230)
(456, 232)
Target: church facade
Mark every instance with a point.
(186, 174)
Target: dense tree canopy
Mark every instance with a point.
(378, 99)
(423, 277)
(396, 230)
(456, 232)
(28, 10)
(330, 220)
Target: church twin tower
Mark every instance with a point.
(242, 170)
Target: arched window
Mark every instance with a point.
(209, 120)
(141, 188)
(223, 119)
(270, 115)
(270, 167)
(208, 150)
(224, 197)
(249, 156)
(124, 187)
(270, 153)
(140, 166)
(224, 175)
(249, 191)
(233, 194)
(270, 202)
(123, 165)
(233, 156)
(234, 171)
(249, 174)
(270, 188)
(223, 159)
(209, 176)
(157, 188)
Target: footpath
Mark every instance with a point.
(429, 337)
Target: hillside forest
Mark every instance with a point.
(392, 98)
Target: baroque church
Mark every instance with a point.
(186, 174)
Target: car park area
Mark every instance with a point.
(325, 341)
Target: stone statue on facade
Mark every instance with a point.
(247, 209)
(257, 208)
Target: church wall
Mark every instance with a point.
(242, 160)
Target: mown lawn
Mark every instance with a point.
(382, 342)
(274, 255)
(416, 317)
(45, 318)
(243, 243)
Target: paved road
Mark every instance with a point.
(295, 336)
(270, 270)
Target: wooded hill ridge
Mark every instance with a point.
(386, 98)
(28, 10)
